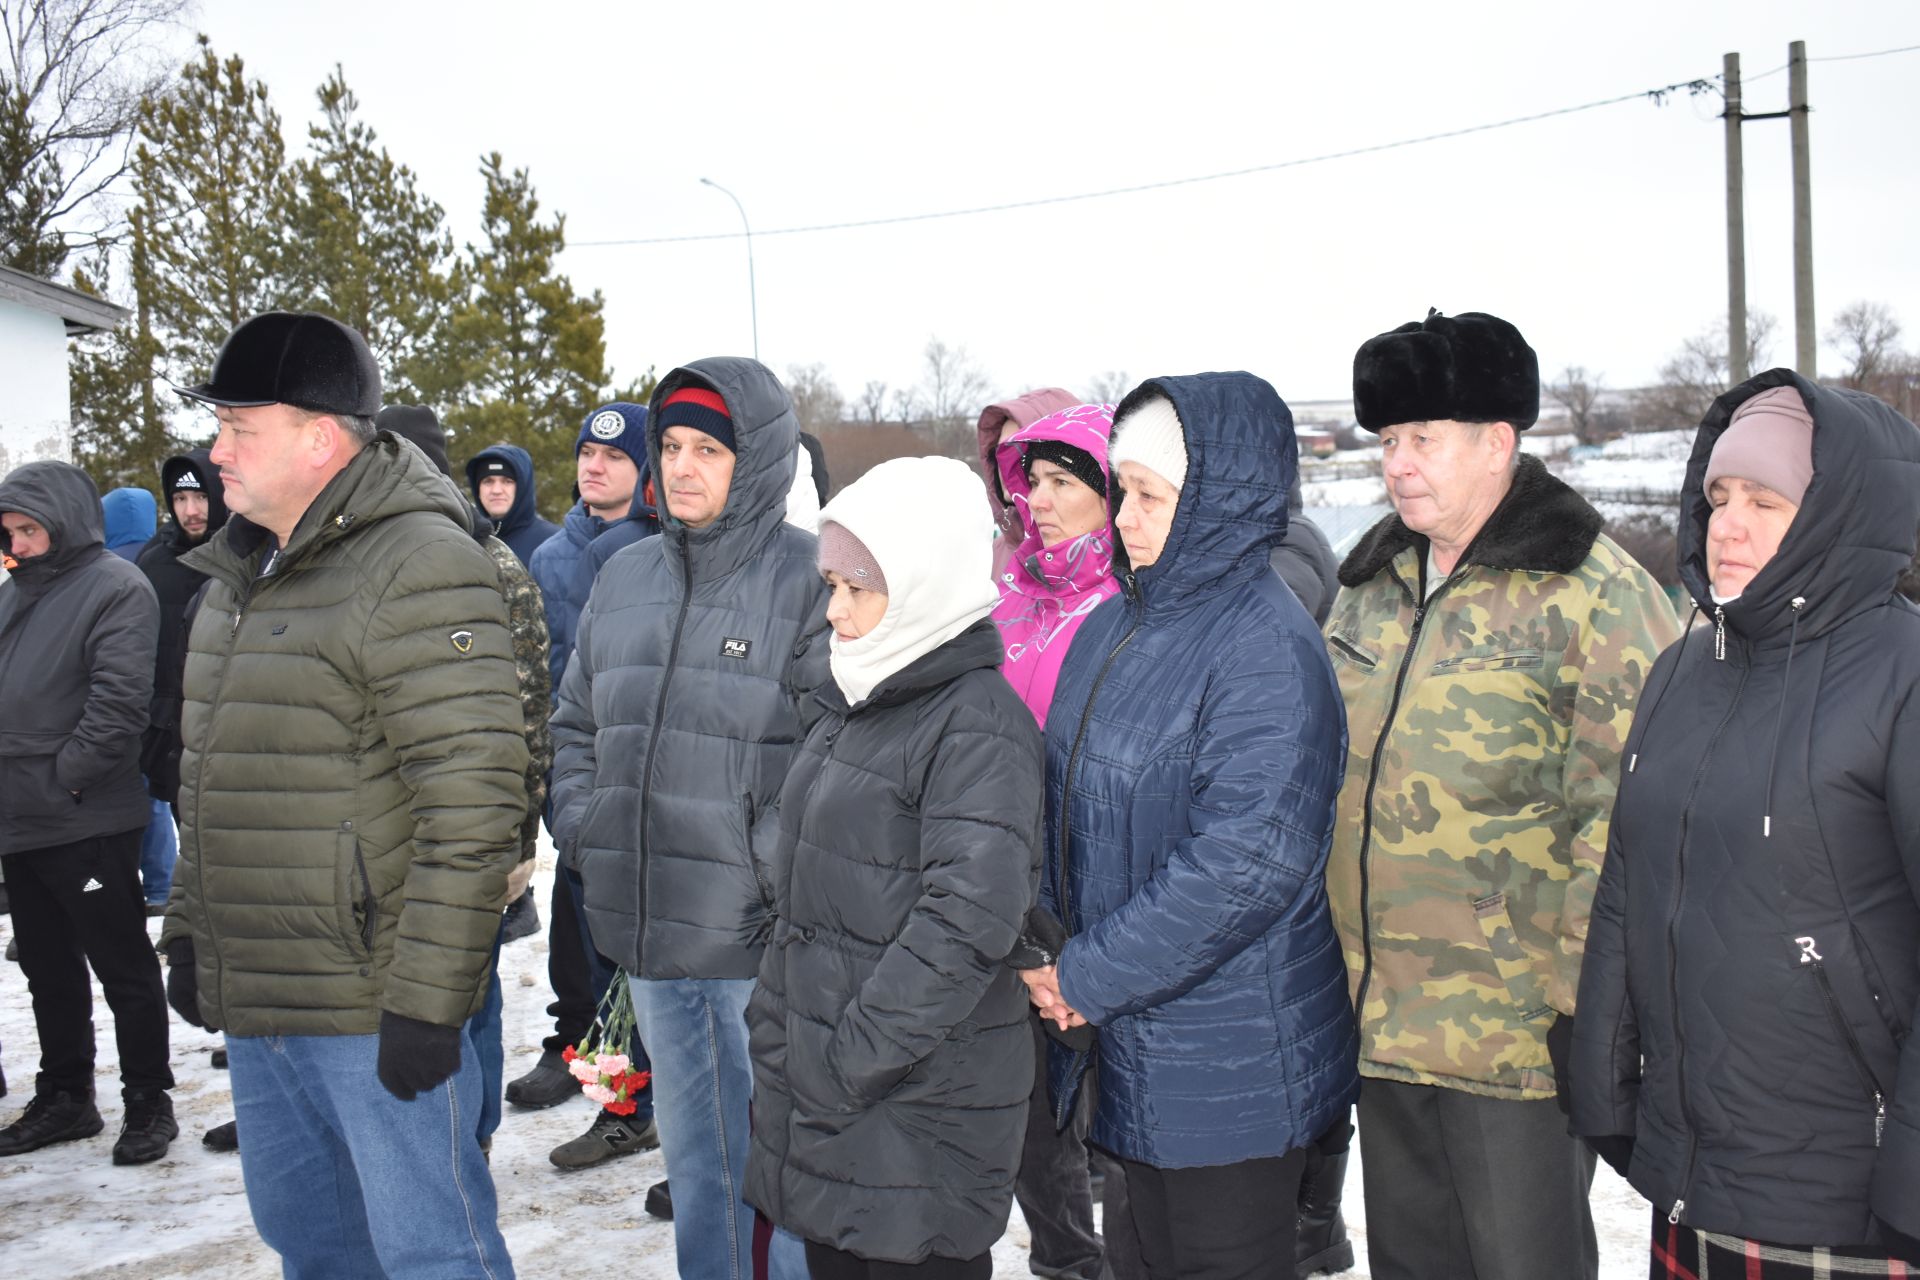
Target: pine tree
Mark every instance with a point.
(211, 179)
(120, 434)
(525, 356)
(30, 186)
(374, 252)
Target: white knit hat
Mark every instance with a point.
(1150, 434)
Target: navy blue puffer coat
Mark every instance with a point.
(1194, 751)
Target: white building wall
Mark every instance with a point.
(36, 411)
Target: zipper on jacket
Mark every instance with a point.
(1854, 1050)
(659, 713)
(1673, 944)
(1420, 611)
(1719, 634)
(746, 818)
(1066, 805)
(368, 926)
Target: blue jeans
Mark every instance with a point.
(702, 1082)
(484, 1039)
(346, 1181)
(158, 849)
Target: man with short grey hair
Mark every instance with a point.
(1490, 643)
(352, 788)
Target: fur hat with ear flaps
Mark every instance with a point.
(1472, 367)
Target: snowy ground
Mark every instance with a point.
(67, 1212)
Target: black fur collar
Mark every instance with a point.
(1541, 526)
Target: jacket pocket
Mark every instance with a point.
(1347, 649)
(1850, 1044)
(359, 909)
(1505, 660)
(1510, 959)
(29, 775)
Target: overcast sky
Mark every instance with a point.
(1601, 234)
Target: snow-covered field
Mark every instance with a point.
(68, 1212)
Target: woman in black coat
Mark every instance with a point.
(892, 1055)
(1744, 1048)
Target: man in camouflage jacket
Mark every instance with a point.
(1490, 643)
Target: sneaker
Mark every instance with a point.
(51, 1118)
(147, 1129)
(660, 1201)
(222, 1137)
(219, 1059)
(548, 1085)
(608, 1137)
(522, 919)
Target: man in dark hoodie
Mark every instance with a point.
(77, 629)
(501, 478)
(691, 683)
(198, 503)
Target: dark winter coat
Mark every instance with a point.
(1193, 755)
(565, 566)
(523, 528)
(892, 1047)
(77, 629)
(176, 585)
(1305, 561)
(678, 716)
(353, 774)
(1752, 976)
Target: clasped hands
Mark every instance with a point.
(1043, 988)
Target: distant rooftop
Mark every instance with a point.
(81, 312)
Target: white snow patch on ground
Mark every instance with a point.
(67, 1213)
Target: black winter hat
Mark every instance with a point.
(303, 359)
(421, 427)
(1075, 461)
(1472, 367)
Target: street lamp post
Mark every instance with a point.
(753, 296)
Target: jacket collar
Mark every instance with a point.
(1541, 526)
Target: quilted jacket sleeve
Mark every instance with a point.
(1626, 628)
(439, 665)
(1895, 1192)
(1606, 1035)
(573, 739)
(119, 657)
(979, 856)
(1267, 765)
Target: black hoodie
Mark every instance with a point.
(176, 586)
(1752, 973)
(77, 632)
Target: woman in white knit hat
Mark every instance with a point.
(892, 1049)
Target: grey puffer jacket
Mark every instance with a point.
(683, 705)
(892, 1047)
(78, 628)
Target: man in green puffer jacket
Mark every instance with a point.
(352, 789)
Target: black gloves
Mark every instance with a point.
(1040, 941)
(1616, 1149)
(415, 1056)
(1560, 1049)
(183, 983)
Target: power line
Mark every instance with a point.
(1836, 57)
(1657, 96)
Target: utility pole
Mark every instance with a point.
(1737, 371)
(1805, 345)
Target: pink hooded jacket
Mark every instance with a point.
(1024, 411)
(1046, 592)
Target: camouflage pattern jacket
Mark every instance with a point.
(527, 624)
(1486, 727)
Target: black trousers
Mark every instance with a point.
(76, 905)
(1221, 1222)
(1053, 1187)
(1463, 1187)
(575, 998)
(824, 1263)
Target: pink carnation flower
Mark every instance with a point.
(583, 1071)
(599, 1093)
(612, 1064)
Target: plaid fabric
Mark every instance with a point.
(1687, 1253)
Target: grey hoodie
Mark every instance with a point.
(78, 627)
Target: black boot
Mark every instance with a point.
(1322, 1245)
(51, 1118)
(548, 1085)
(522, 919)
(660, 1201)
(222, 1137)
(147, 1129)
